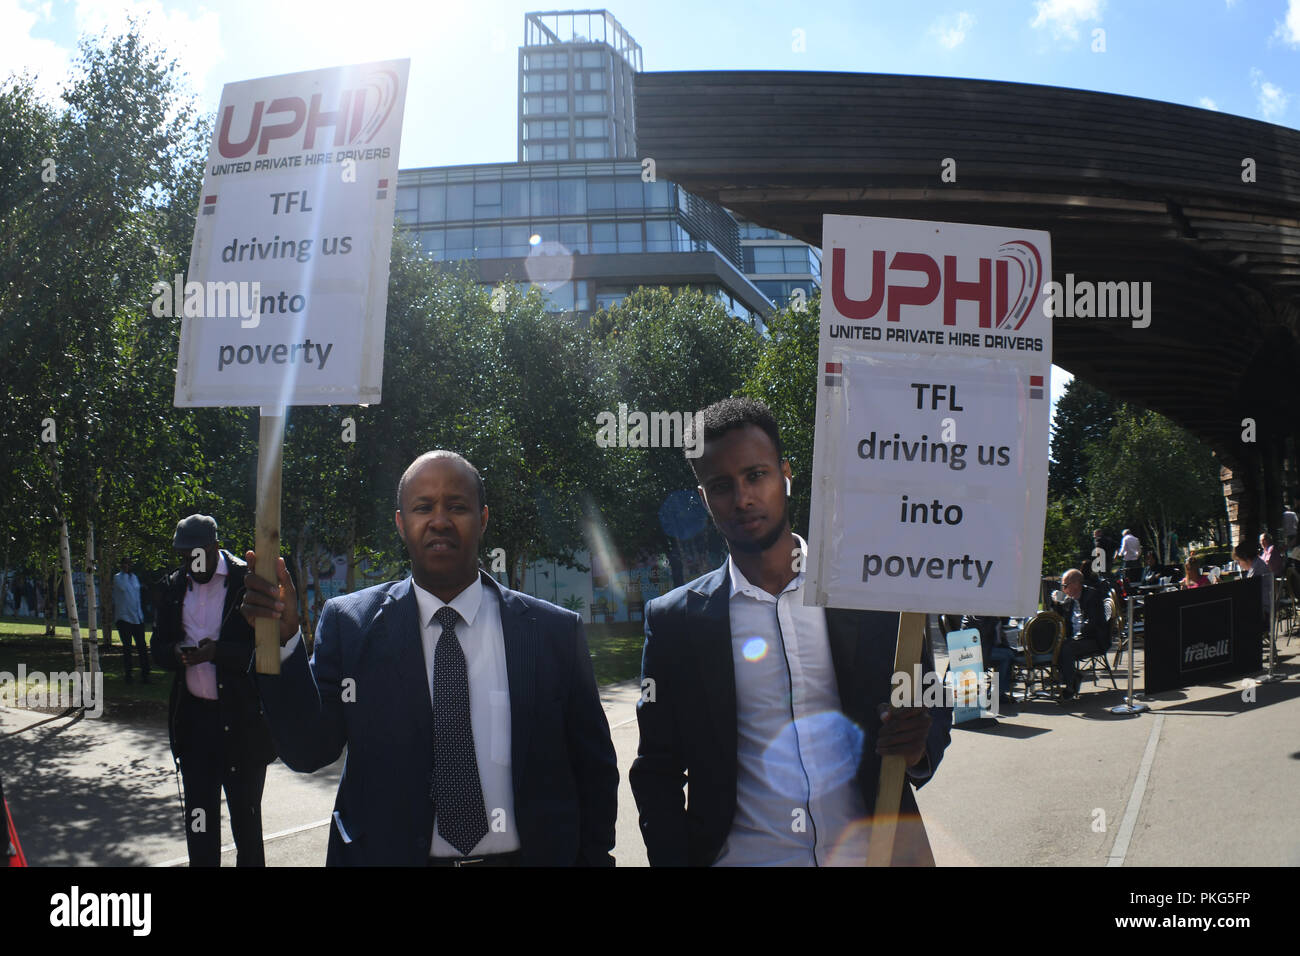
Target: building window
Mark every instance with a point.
(546, 129)
(589, 103)
(573, 236)
(514, 199)
(600, 193)
(514, 240)
(658, 235)
(547, 82)
(657, 196)
(487, 242)
(572, 195)
(603, 238)
(547, 61)
(433, 242)
(460, 201)
(629, 194)
(534, 104)
(460, 243)
(543, 197)
(592, 128)
(408, 203)
(590, 58)
(629, 237)
(487, 200)
(433, 203)
(592, 149)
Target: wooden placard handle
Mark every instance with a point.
(270, 454)
(893, 770)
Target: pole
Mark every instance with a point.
(1130, 706)
(1270, 676)
(889, 791)
(270, 449)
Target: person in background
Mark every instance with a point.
(1290, 524)
(1130, 551)
(219, 736)
(130, 619)
(1194, 578)
(1272, 556)
(1152, 573)
(1086, 629)
(1253, 566)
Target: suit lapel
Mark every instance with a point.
(395, 631)
(711, 646)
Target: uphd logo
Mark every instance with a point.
(358, 117)
(59, 689)
(656, 430)
(75, 908)
(1004, 288)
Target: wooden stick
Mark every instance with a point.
(270, 448)
(889, 791)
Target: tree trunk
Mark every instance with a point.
(92, 606)
(519, 570)
(65, 557)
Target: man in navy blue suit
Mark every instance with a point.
(473, 727)
(776, 714)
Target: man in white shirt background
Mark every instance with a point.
(130, 619)
(776, 714)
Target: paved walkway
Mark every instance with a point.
(1205, 778)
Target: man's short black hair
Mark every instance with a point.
(736, 412)
(442, 453)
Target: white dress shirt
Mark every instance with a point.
(483, 644)
(201, 618)
(1130, 549)
(797, 798)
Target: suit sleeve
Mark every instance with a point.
(658, 775)
(304, 702)
(591, 752)
(940, 729)
(166, 635)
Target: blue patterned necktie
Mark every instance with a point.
(457, 791)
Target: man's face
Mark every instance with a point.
(441, 524)
(742, 482)
(1072, 586)
(126, 565)
(200, 563)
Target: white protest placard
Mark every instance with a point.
(285, 299)
(931, 448)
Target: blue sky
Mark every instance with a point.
(1237, 56)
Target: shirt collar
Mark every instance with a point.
(466, 603)
(741, 585)
(222, 570)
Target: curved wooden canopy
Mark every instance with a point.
(1130, 189)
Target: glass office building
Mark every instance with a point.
(778, 264)
(586, 233)
(575, 87)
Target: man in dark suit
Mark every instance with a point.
(473, 727)
(776, 714)
(218, 734)
(1087, 630)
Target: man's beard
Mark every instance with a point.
(765, 542)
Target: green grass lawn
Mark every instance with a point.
(615, 654)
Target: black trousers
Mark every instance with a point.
(127, 632)
(208, 767)
(1071, 653)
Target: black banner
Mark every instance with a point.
(1203, 635)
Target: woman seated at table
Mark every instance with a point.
(1194, 578)
(1152, 573)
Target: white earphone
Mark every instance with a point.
(787, 487)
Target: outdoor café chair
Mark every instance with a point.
(1112, 619)
(1040, 640)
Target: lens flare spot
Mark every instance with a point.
(755, 649)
